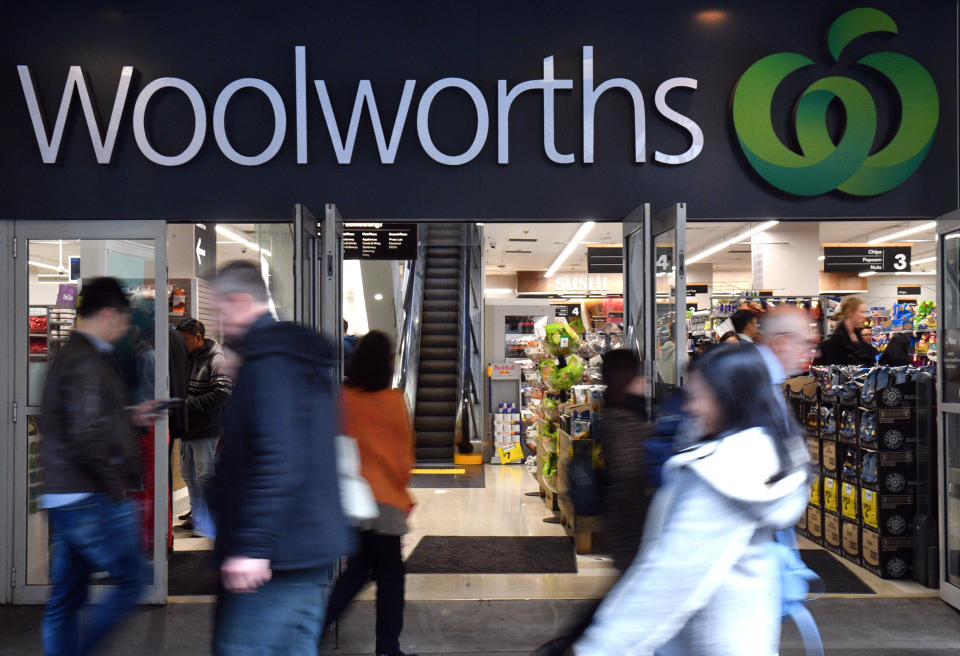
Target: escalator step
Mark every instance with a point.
(439, 328)
(438, 367)
(443, 353)
(443, 251)
(438, 341)
(440, 272)
(431, 394)
(443, 263)
(432, 316)
(434, 439)
(438, 456)
(435, 424)
(442, 283)
(443, 381)
(441, 294)
(443, 305)
(445, 409)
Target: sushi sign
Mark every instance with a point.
(581, 284)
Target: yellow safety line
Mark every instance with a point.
(438, 471)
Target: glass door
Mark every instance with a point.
(669, 235)
(637, 290)
(948, 381)
(306, 274)
(52, 261)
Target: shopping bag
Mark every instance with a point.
(356, 497)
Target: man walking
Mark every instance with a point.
(208, 393)
(746, 323)
(276, 498)
(91, 458)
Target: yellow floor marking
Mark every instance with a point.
(438, 471)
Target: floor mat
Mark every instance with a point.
(191, 573)
(836, 576)
(472, 477)
(437, 554)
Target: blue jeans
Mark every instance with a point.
(283, 617)
(197, 460)
(92, 535)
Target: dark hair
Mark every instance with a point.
(99, 294)
(371, 365)
(242, 277)
(192, 326)
(742, 318)
(897, 353)
(727, 335)
(619, 367)
(740, 381)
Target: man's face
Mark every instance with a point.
(194, 341)
(115, 322)
(793, 349)
(238, 311)
(753, 328)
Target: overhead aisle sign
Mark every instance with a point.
(864, 258)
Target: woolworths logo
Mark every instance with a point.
(848, 165)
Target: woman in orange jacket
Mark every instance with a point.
(376, 415)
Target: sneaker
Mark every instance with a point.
(186, 526)
(187, 515)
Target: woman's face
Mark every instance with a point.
(858, 316)
(701, 404)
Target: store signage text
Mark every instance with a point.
(380, 241)
(581, 284)
(387, 136)
(861, 258)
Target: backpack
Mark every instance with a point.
(795, 580)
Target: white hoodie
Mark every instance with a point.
(704, 582)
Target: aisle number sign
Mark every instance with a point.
(863, 258)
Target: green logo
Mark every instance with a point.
(847, 165)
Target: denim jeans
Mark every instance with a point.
(92, 535)
(283, 617)
(197, 460)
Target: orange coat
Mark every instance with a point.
(380, 423)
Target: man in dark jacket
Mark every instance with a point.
(276, 496)
(91, 460)
(208, 393)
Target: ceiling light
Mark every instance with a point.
(42, 265)
(490, 291)
(923, 261)
(903, 233)
(821, 258)
(378, 297)
(915, 273)
(569, 248)
(867, 274)
(725, 244)
(243, 241)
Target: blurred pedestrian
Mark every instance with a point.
(275, 496)
(897, 353)
(375, 414)
(91, 460)
(208, 393)
(846, 346)
(178, 363)
(786, 346)
(706, 581)
(746, 323)
(729, 337)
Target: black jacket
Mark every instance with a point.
(208, 393)
(88, 442)
(179, 363)
(842, 350)
(276, 491)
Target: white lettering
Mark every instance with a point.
(423, 122)
(300, 73)
(549, 138)
(504, 102)
(199, 121)
(344, 149)
(50, 148)
(279, 121)
(696, 134)
(590, 97)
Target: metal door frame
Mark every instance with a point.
(20, 232)
(638, 224)
(949, 593)
(331, 290)
(7, 434)
(306, 246)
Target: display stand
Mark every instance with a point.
(582, 528)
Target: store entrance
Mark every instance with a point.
(52, 259)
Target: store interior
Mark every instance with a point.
(550, 304)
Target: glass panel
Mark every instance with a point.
(634, 289)
(57, 269)
(276, 256)
(951, 428)
(950, 316)
(667, 351)
(518, 332)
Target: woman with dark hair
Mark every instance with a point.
(375, 414)
(729, 337)
(706, 582)
(897, 353)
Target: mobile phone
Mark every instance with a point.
(166, 404)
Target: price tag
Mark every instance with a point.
(564, 342)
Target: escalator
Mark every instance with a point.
(438, 374)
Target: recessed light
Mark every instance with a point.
(378, 297)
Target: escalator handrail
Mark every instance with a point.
(408, 349)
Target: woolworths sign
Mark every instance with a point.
(387, 123)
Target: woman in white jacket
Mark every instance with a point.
(705, 582)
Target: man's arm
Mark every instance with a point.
(222, 390)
